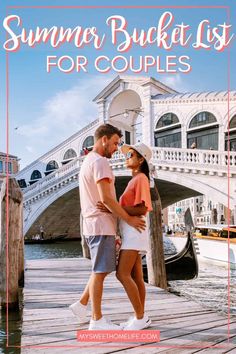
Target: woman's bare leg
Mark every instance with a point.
(126, 263)
(137, 275)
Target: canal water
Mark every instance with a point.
(210, 289)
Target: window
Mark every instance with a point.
(51, 166)
(127, 137)
(10, 167)
(205, 138)
(232, 123)
(168, 131)
(167, 119)
(88, 143)
(22, 183)
(202, 118)
(230, 139)
(35, 175)
(69, 154)
(1, 167)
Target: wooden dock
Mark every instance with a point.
(49, 326)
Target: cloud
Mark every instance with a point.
(29, 148)
(61, 116)
(66, 112)
(176, 82)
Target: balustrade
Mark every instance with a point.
(204, 161)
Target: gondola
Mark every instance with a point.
(44, 240)
(181, 266)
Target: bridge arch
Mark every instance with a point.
(172, 186)
(124, 111)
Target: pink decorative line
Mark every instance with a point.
(122, 346)
(116, 7)
(7, 193)
(228, 172)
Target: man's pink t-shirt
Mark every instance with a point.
(136, 192)
(95, 168)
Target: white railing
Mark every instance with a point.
(55, 177)
(194, 157)
(202, 160)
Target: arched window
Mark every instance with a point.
(35, 176)
(51, 166)
(203, 132)
(232, 123)
(168, 131)
(167, 119)
(230, 137)
(68, 156)
(202, 118)
(22, 183)
(88, 143)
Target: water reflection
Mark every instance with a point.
(210, 289)
(60, 249)
(14, 332)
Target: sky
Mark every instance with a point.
(46, 108)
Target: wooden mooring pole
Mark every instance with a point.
(155, 258)
(11, 243)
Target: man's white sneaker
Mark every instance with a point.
(80, 311)
(103, 324)
(136, 324)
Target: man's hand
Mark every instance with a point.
(137, 222)
(102, 207)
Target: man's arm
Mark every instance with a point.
(137, 210)
(107, 199)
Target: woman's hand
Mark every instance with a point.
(102, 207)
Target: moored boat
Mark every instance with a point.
(216, 244)
(180, 266)
(44, 240)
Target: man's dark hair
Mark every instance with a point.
(106, 130)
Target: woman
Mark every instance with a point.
(136, 200)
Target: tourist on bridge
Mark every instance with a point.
(96, 183)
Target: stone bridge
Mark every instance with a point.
(180, 173)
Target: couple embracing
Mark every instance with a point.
(100, 211)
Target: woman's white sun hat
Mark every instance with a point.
(141, 148)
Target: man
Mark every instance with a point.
(96, 183)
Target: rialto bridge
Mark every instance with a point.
(149, 111)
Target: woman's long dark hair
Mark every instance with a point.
(144, 168)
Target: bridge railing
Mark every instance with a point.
(206, 160)
(193, 157)
(55, 177)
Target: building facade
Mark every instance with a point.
(8, 165)
(203, 210)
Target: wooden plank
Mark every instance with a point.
(48, 321)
